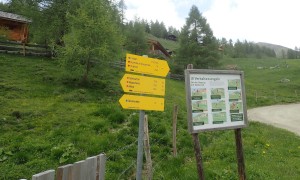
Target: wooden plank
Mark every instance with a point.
(91, 166)
(64, 172)
(101, 161)
(46, 175)
(78, 170)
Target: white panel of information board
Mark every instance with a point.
(215, 99)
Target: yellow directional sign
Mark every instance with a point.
(145, 65)
(143, 84)
(142, 102)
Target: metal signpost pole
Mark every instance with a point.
(139, 158)
(139, 166)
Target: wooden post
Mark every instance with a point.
(240, 154)
(64, 172)
(147, 149)
(197, 147)
(175, 112)
(255, 96)
(24, 49)
(101, 161)
(198, 155)
(47, 175)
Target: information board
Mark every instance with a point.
(215, 99)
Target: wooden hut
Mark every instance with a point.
(158, 49)
(16, 25)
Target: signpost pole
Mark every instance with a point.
(139, 160)
(240, 154)
(143, 85)
(139, 166)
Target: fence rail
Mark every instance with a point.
(12, 47)
(93, 168)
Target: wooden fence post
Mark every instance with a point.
(47, 175)
(24, 49)
(256, 96)
(78, 170)
(101, 161)
(175, 112)
(91, 167)
(147, 149)
(64, 172)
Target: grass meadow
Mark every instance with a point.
(47, 119)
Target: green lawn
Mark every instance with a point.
(263, 76)
(48, 119)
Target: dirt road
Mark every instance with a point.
(282, 116)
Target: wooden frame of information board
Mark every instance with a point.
(215, 100)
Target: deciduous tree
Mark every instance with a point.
(94, 37)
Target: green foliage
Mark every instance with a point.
(3, 33)
(245, 49)
(158, 29)
(65, 153)
(93, 37)
(4, 155)
(136, 41)
(198, 46)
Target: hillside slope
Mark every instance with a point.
(281, 51)
(48, 119)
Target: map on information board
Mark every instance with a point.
(215, 100)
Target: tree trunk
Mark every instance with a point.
(86, 73)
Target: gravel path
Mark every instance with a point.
(282, 116)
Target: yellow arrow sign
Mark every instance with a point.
(142, 102)
(143, 85)
(145, 65)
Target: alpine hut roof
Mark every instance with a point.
(14, 17)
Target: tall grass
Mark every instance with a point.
(48, 119)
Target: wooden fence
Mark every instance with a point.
(12, 47)
(93, 168)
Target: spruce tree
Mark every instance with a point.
(198, 46)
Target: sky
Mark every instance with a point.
(271, 21)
